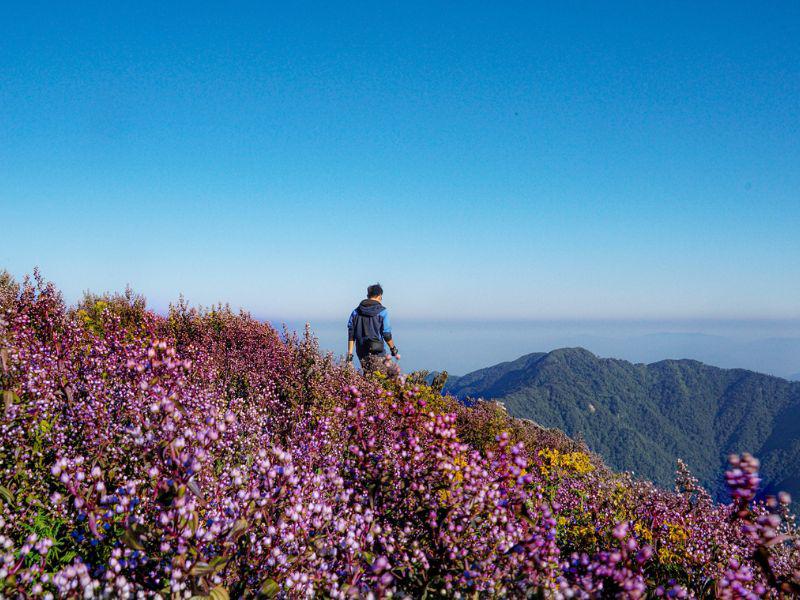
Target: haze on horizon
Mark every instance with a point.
(618, 161)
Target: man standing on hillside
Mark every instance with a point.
(368, 328)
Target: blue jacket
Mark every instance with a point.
(369, 321)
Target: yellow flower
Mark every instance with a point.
(577, 463)
(643, 532)
(676, 534)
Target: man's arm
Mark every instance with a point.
(350, 337)
(386, 327)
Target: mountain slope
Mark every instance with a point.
(644, 417)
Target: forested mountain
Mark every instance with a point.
(643, 418)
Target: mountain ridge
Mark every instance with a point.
(643, 417)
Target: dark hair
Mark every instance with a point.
(374, 291)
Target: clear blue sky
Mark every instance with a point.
(491, 160)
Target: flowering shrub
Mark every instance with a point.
(203, 454)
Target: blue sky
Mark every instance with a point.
(522, 160)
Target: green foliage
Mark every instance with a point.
(57, 529)
(129, 307)
(432, 398)
(643, 418)
(9, 289)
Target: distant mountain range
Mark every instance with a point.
(643, 417)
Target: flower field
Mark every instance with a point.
(205, 454)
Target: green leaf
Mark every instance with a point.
(218, 563)
(201, 568)
(219, 593)
(195, 489)
(9, 398)
(133, 538)
(7, 496)
(238, 529)
(269, 589)
(207, 568)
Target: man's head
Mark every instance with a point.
(375, 292)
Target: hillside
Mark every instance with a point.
(204, 455)
(644, 417)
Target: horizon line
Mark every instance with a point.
(554, 320)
